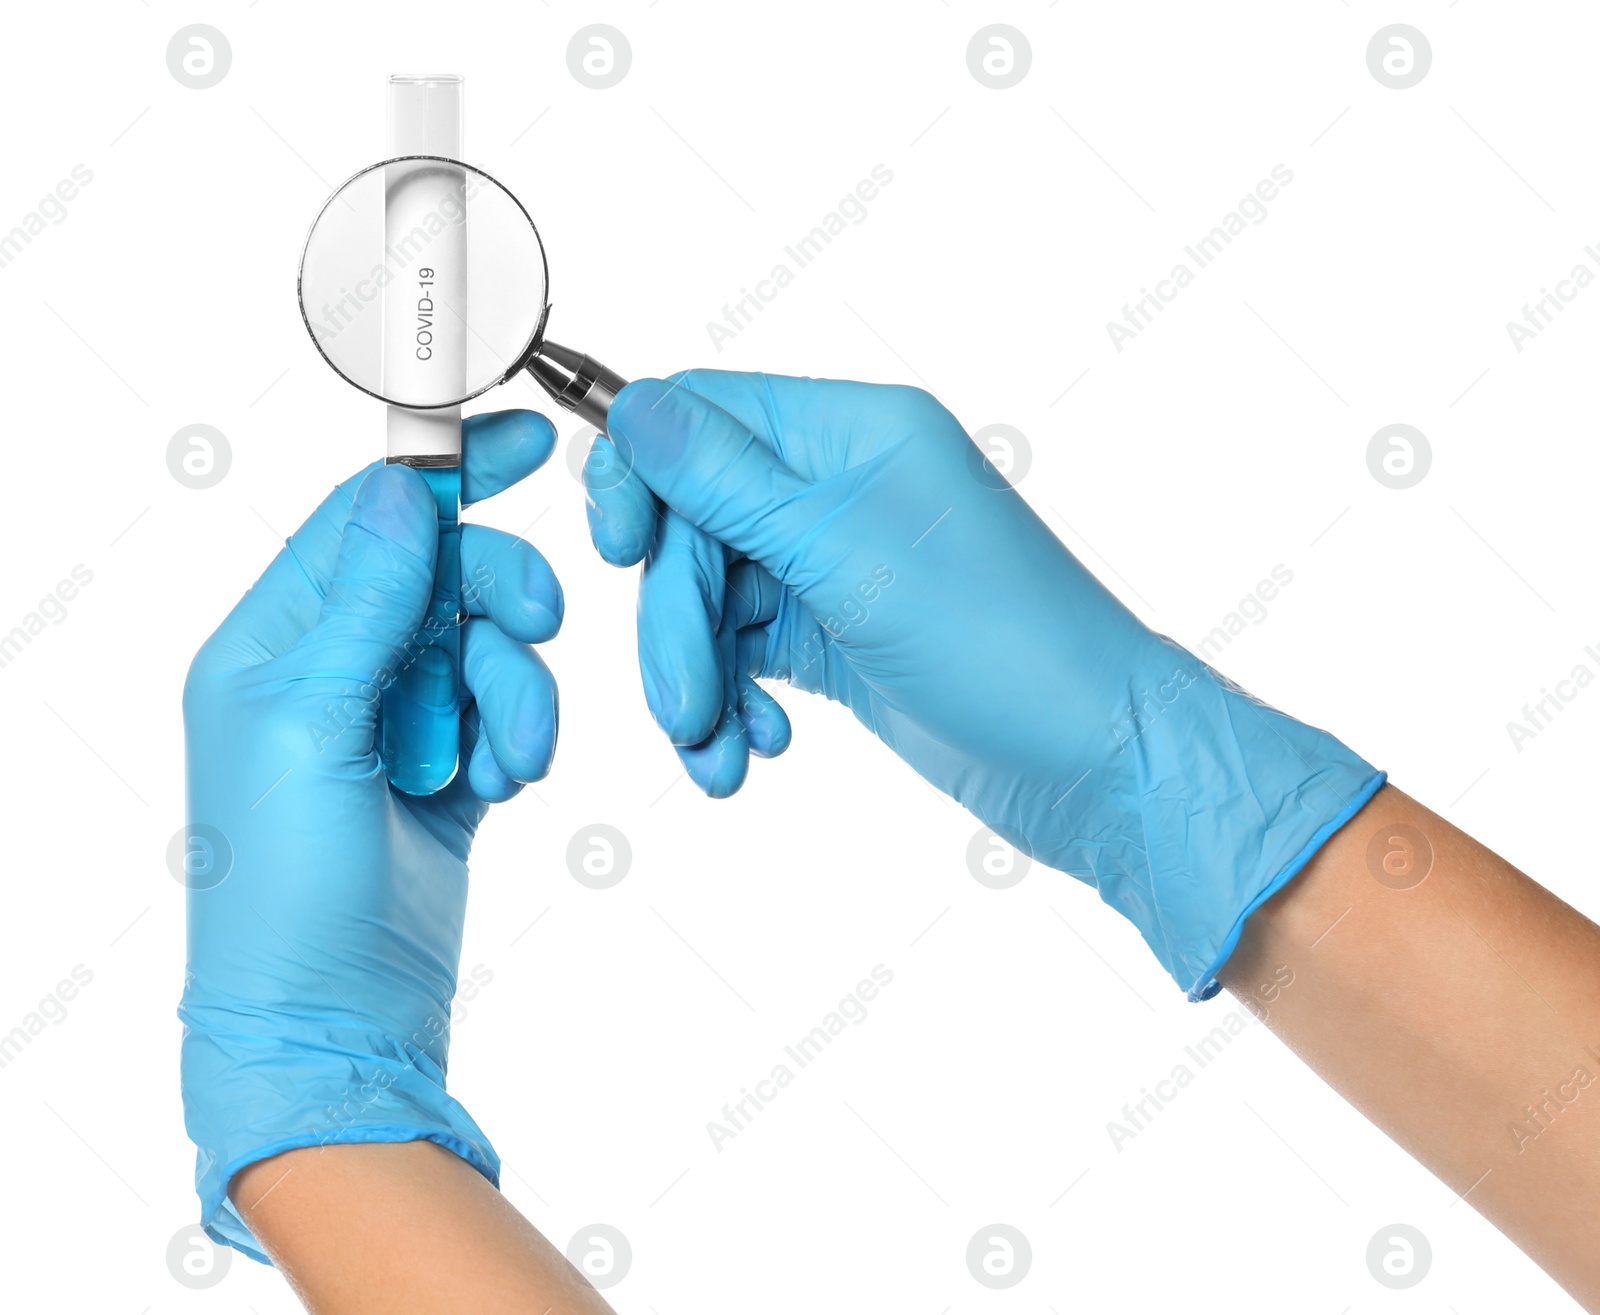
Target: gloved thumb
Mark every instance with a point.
(378, 596)
(710, 469)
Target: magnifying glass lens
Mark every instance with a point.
(423, 282)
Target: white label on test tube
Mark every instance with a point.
(424, 119)
(425, 302)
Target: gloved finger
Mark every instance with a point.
(487, 777)
(765, 722)
(509, 581)
(517, 703)
(720, 763)
(754, 591)
(819, 427)
(750, 654)
(500, 448)
(621, 509)
(380, 584)
(286, 599)
(710, 468)
(681, 594)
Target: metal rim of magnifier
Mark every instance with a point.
(528, 350)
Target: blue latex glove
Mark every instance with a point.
(851, 540)
(322, 967)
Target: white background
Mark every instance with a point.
(1229, 438)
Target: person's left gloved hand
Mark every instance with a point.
(325, 908)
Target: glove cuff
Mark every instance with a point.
(265, 1098)
(1205, 984)
(1210, 803)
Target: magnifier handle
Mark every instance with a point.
(421, 705)
(578, 383)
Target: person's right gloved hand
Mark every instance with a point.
(850, 539)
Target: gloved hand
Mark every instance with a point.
(325, 909)
(850, 539)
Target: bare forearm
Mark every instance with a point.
(405, 1229)
(1474, 985)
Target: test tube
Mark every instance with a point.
(422, 341)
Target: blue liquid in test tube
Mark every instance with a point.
(422, 709)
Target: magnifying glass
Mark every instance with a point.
(423, 282)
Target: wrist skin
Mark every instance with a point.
(1475, 986)
(403, 1229)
